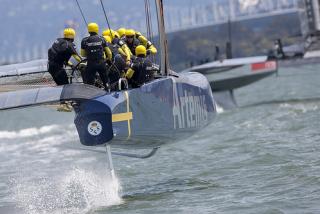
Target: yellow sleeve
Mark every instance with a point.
(149, 46)
(108, 53)
(152, 49)
(143, 40)
(83, 53)
(76, 57)
(129, 73)
(122, 52)
(138, 34)
(127, 52)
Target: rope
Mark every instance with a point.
(149, 24)
(84, 18)
(148, 20)
(105, 15)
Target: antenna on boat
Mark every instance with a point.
(84, 18)
(105, 15)
(164, 66)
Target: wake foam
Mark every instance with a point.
(300, 107)
(220, 109)
(78, 192)
(30, 132)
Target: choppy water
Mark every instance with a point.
(262, 157)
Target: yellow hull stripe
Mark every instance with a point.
(128, 111)
(122, 117)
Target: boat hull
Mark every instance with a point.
(158, 112)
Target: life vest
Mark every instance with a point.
(94, 46)
(143, 71)
(61, 51)
(132, 46)
(114, 49)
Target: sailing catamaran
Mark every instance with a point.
(173, 106)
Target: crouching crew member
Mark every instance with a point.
(94, 48)
(117, 42)
(117, 65)
(151, 49)
(141, 70)
(131, 41)
(59, 55)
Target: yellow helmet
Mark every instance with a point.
(93, 27)
(130, 32)
(106, 32)
(107, 38)
(122, 32)
(116, 34)
(141, 50)
(113, 34)
(69, 33)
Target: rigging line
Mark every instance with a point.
(146, 13)
(163, 40)
(105, 15)
(111, 34)
(150, 21)
(151, 30)
(147, 20)
(83, 17)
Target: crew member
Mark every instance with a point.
(117, 42)
(278, 48)
(141, 70)
(131, 41)
(94, 48)
(117, 53)
(151, 49)
(59, 55)
(122, 33)
(118, 65)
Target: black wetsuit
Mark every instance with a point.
(132, 46)
(118, 62)
(117, 58)
(143, 71)
(59, 55)
(94, 46)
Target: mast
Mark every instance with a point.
(313, 15)
(229, 27)
(164, 66)
(229, 42)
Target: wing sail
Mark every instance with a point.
(27, 75)
(48, 95)
(21, 69)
